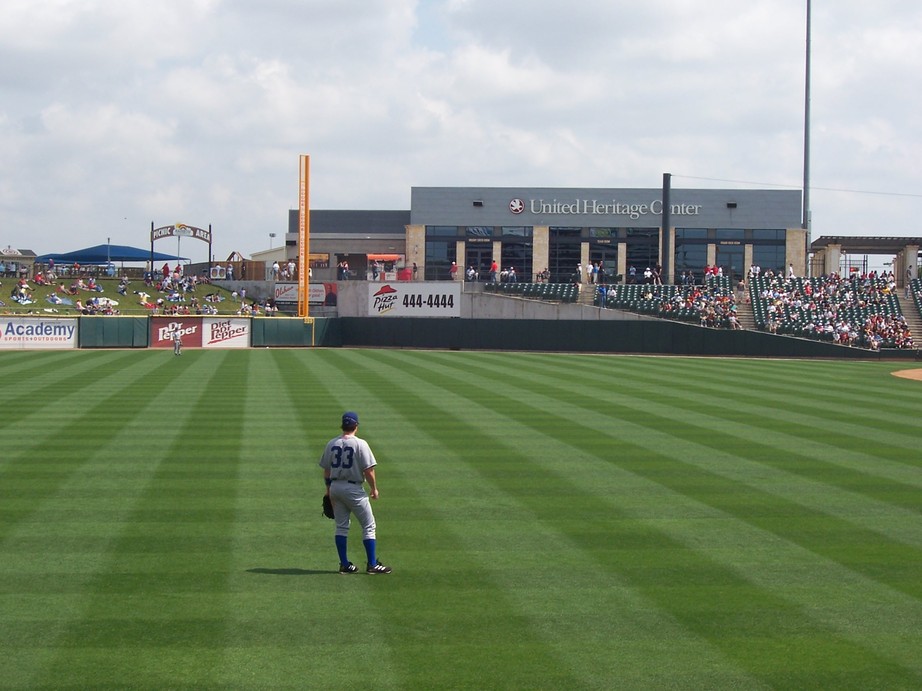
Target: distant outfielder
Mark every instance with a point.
(347, 462)
(177, 342)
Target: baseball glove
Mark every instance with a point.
(327, 506)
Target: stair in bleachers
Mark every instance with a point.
(745, 315)
(912, 316)
(587, 293)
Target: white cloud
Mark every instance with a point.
(116, 114)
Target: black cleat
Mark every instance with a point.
(378, 568)
(348, 568)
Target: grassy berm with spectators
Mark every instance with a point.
(65, 297)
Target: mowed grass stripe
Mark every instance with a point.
(725, 493)
(57, 403)
(286, 594)
(793, 616)
(428, 628)
(610, 575)
(82, 515)
(48, 396)
(41, 449)
(520, 559)
(51, 557)
(466, 558)
(846, 627)
(869, 475)
(804, 450)
(760, 390)
(810, 411)
(123, 638)
(787, 387)
(26, 369)
(722, 462)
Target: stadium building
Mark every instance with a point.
(560, 229)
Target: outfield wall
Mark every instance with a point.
(645, 337)
(114, 332)
(655, 337)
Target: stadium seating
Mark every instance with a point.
(712, 304)
(551, 292)
(861, 310)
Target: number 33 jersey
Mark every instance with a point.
(347, 457)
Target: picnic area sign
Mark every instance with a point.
(179, 230)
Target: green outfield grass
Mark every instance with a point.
(553, 522)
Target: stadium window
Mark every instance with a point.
(441, 231)
(726, 234)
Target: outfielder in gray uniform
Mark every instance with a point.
(347, 463)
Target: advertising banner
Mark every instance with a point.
(318, 293)
(200, 332)
(28, 333)
(228, 332)
(441, 299)
(162, 328)
(286, 292)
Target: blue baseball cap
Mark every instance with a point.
(350, 418)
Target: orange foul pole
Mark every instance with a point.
(304, 237)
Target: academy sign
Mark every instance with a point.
(22, 332)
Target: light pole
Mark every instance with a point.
(271, 235)
(805, 221)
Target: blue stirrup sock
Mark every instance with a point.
(341, 548)
(370, 551)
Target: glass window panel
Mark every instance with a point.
(730, 234)
(691, 234)
(730, 259)
(769, 257)
(518, 255)
(606, 256)
(441, 230)
(566, 233)
(479, 258)
(439, 256)
(642, 249)
(766, 234)
(564, 253)
(603, 232)
(637, 233)
(692, 258)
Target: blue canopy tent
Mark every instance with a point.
(107, 254)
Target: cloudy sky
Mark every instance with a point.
(117, 113)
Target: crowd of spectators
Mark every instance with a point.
(711, 304)
(101, 306)
(167, 292)
(860, 310)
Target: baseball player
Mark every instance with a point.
(347, 463)
(177, 342)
